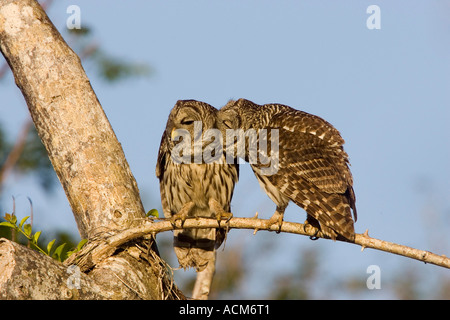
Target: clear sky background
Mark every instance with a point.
(387, 91)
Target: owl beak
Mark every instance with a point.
(173, 134)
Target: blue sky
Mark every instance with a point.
(387, 91)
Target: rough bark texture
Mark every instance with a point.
(83, 149)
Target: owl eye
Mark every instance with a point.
(228, 124)
(187, 121)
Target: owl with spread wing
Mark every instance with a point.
(309, 168)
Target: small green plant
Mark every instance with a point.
(26, 230)
(152, 213)
(77, 248)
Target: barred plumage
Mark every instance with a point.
(196, 189)
(312, 169)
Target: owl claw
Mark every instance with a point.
(277, 218)
(218, 210)
(182, 215)
(314, 237)
(309, 228)
(224, 216)
(177, 217)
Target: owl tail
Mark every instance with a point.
(334, 215)
(195, 247)
(329, 212)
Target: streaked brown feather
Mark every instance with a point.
(313, 166)
(182, 183)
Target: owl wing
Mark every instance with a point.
(160, 162)
(315, 161)
(313, 170)
(160, 168)
(314, 149)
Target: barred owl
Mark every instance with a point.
(194, 187)
(310, 166)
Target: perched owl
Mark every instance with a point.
(308, 164)
(193, 184)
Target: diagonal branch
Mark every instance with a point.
(96, 251)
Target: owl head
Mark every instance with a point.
(192, 117)
(191, 133)
(229, 117)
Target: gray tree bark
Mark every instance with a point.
(26, 266)
(88, 160)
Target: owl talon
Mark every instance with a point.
(224, 216)
(277, 218)
(309, 228)
(218, 210)
(314, 237)
(182, 215)
(175, 218)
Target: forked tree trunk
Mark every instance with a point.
(88, 160)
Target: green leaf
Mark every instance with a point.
(27, 229)
(7, 217)
(13, 219)
(36, 237)
(8, 224)
(78, 248)
(50, 245)
(153, 213)
(23, 221)
(58, 251)
(81, 244)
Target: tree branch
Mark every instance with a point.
(27, 274)
(97, 250)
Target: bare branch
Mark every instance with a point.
(95, 251)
